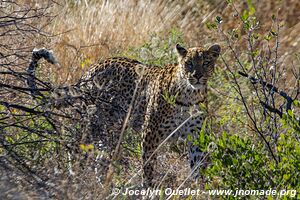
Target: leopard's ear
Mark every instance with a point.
(181, 50)
(215, 50)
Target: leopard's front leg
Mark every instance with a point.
(149, 145)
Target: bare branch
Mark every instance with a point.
(271, 88)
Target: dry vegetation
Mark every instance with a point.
(88, 29)
(80, 32)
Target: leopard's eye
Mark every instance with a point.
(189, 65)
(206, 63)
(215, 55)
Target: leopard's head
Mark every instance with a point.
(197, 64)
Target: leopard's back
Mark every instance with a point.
(116, 84)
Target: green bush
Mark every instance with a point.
(158, 51)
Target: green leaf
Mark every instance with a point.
(251, 8)
(85, 62)
(286, 177)
(284, 116)
(245, 16)
(296, 103)
(224, 135)
(257, 157)
(273, 32)
(269, 197)
(211, 26)
(202, 137)
(268, 37)
(243, 157)
(279, 149)
(255, 53)
(290, 113)
(247, 25)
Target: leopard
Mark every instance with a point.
(118, 87)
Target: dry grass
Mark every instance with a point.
(102, 28)
(91, 30)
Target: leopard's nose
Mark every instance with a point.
(199, 77)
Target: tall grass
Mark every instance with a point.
(98, 29)
(89, 30)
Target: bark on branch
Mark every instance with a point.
(289, 100)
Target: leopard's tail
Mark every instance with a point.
(38, 54)
(59, 95)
